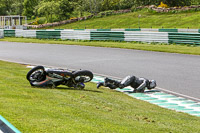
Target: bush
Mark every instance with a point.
(135, 9)
(177, 3)
(106, 13)
(33, 17)
(163, 5)
(41, 20)
(36, 21)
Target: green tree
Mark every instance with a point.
(110, 4)
(195, 2)
(29, 7)
(10, 7)
(177, 2)
(6, 7)
(17, 7)
(95, 6)
(81, 6)
(65, 8)
(48, 9)
(2, 8)
(126, 4)
(170, 3)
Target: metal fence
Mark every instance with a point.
(1, 33)
(75, 35)
(184, 38)
(146, 36)
(177, 36)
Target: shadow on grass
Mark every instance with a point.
(68, 88)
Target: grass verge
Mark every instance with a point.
(148, 19)
(91, 110)
(183, 49)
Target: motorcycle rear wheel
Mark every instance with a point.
(36, 74)
(83, 76)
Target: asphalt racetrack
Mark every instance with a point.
(178, 73)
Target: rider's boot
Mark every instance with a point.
(111, 81)
(111, 86)
(99, 84)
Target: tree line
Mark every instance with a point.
(62, 9)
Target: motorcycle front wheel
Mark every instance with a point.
(83, 76)
(36, 74)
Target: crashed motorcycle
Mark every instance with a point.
(51, 78)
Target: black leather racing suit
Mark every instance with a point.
(138, 84)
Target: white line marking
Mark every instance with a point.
(178, 94)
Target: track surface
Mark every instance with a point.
(174, 72)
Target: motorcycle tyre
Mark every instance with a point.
(83, 73)
(33, 70)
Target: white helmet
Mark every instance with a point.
(152, 84)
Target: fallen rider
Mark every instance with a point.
(138, 84)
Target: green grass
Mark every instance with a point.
(33, 110)
(147, 20)
(183, 49)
